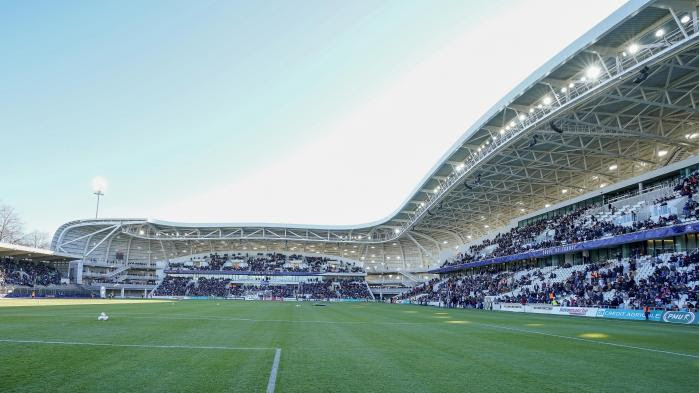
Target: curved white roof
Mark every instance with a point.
(554, 137)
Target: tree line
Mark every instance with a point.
(12, 230)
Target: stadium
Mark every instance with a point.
(553, 247)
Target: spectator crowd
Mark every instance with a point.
(27, 273)
(266, 263)
(220, 287)
(673, 283)
(579, 226)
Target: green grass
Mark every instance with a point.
(344, 347)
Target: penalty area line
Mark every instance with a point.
(53, 342)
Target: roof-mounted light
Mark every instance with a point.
(593, 72)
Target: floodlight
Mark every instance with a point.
(662, 153)
(564, 89)
(613, 167)
(593, 72)
(547, 100)
(502, 132)
(522, 117)
(547, 205)
(660, 32)
(633, 49)
(564, 191)
(685, 19)
(99, 184)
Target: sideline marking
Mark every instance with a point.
(590, 341)
(51, 342)
(273, 374)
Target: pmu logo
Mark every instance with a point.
(678, 317)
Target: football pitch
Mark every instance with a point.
(216, 346)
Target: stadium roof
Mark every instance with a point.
(39, 254)
(618, 102)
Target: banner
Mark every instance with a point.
(549, 309)
(575, 311)
(631, 315)
(511, 307)
(684, 317)
(539, 308)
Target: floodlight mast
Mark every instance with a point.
(99, 185)
(99, 193)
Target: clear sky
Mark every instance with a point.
(315, 112)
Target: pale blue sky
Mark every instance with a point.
(318, 112)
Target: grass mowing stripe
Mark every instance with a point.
(187, 317)
(51, 342)
(588, 340)
(273, 374)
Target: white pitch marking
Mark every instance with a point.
(273, 374)
(51, 342)
(590, 341)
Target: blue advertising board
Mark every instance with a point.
(632, 315)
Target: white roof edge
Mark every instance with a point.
(631, 8)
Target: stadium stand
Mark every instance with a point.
(27, 273)
(669, 281)
(219, 287)
(590, 223)
(269, 263)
